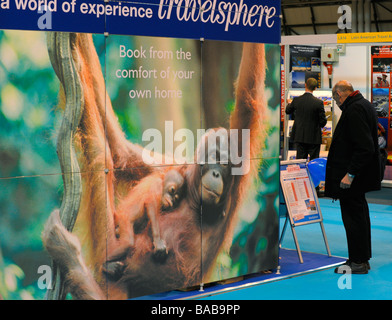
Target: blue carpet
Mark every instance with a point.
(324, 285)
(289, 267)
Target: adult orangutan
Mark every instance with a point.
(195, 231)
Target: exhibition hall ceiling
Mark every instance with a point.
(301, 17)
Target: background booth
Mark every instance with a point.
(359, 58)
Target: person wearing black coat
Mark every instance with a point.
(309, 118)
(353, 168)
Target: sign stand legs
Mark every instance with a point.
(301, 260)
(325, 238)
(296, 239)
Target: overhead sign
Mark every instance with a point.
(232, 20)
(364, 37)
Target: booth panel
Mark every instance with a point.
(251, 243)
(29, 97)
(27, 203)
(157, 241)
(245, 216)
(220, 62)
(32, 104)
(153, 86)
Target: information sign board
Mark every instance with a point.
(300, 199)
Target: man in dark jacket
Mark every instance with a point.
(309, 119)
(353, 168)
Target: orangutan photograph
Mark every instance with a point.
(145, 164)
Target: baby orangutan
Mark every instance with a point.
(156, 192)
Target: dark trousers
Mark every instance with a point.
(305, 149)
(356, 221)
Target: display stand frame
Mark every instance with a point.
(299, 172)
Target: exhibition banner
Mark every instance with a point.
(234, 20)
(138, 154)
(154, 208)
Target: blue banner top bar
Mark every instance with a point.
(232, 20)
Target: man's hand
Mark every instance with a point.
(346, 182)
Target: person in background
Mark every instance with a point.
(353, 168)
(384, 81)
(382, 144)
(379, 83)
(309, 119)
